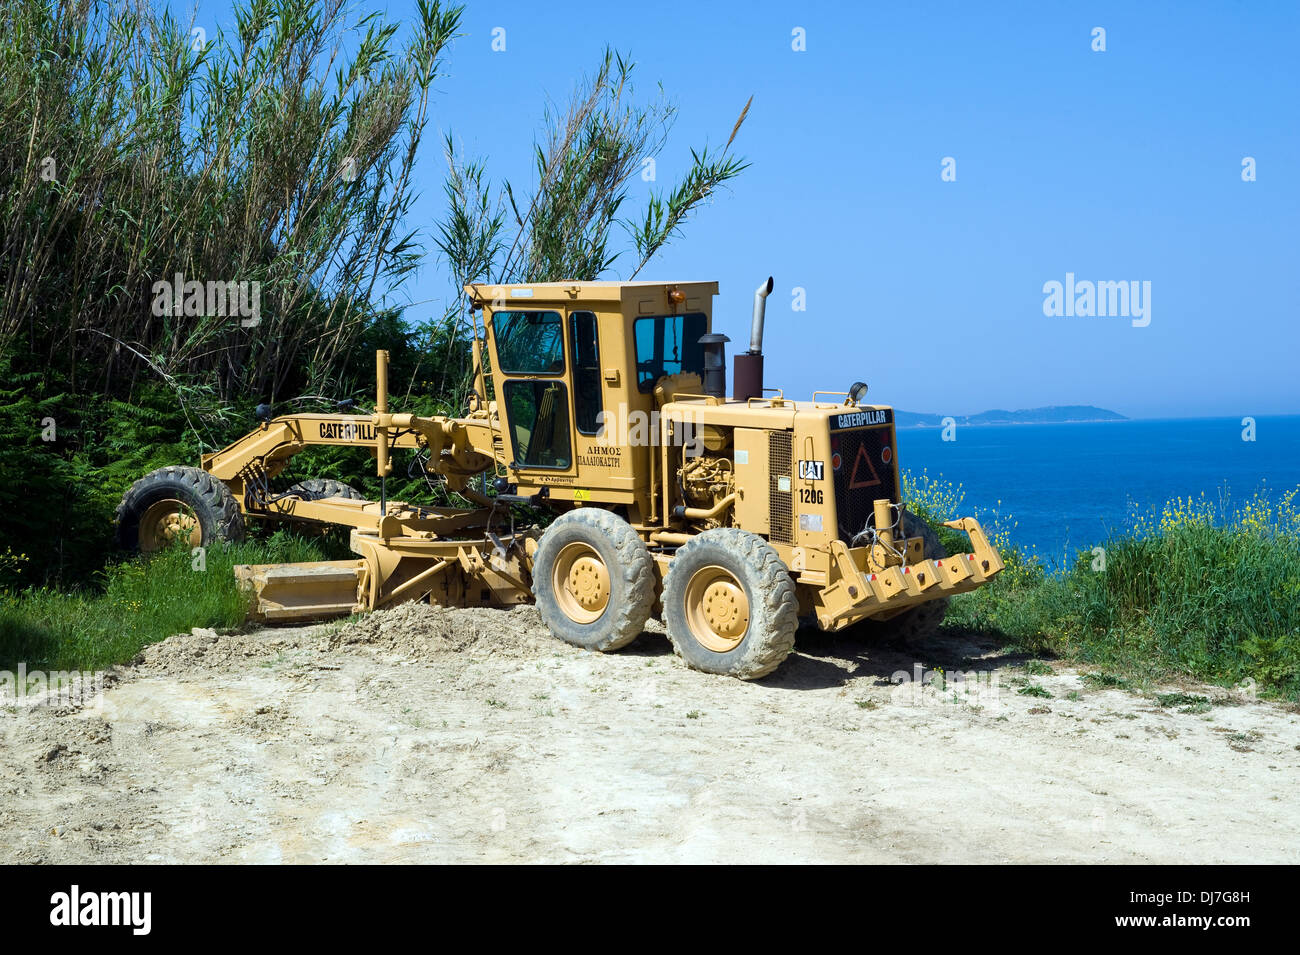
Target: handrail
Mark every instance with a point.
(773, 402)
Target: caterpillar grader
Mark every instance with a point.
(599, 409)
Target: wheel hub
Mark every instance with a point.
(589, 583)
(717, 609)
(166, 522)
(724, 609)
(581, 583)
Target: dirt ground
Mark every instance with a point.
(423, 735)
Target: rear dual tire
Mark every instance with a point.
(728, 601)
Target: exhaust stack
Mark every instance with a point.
(748, 374)
(760, 312)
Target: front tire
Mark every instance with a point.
(175, 504)
(594, 580)
(730, 604)
(317, 489)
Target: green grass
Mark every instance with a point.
(1185, 702)
(1204, 589)
(141, 602)
(1104, 681)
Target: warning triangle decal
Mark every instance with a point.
(855, 481)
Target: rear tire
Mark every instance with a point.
(594, 580)
(175, 504)
(730, 604)
(916, 624)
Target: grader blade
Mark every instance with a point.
(307, 591)
(393, 570)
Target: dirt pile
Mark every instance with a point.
(411, 631)
(205, 649)
(418, 631)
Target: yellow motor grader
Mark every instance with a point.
(732, 517)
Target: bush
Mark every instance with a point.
(1211, 591)
(1208, 590)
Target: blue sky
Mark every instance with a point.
(1123, 165)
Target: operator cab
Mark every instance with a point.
(567, 357)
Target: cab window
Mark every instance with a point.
(538, 414)
(667, 345)
(529, 343)
(585, 348)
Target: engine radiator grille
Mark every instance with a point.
(780, 484)
(863, 464)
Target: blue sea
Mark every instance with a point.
(1069, 485)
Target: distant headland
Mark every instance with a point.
(1055, 414)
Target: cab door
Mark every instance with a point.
(535, 401)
